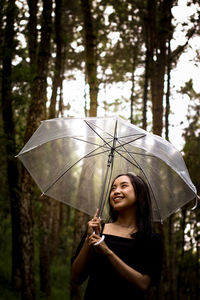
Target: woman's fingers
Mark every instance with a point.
(96, 213)
(94, 225)
(93, 239)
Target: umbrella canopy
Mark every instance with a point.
(74, 160)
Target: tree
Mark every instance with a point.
(38, 100)
(9, 137)
(90, 55)
(160, 32)
(192, 133)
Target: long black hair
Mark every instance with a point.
(143, 204)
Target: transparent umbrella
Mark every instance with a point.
(75, 159)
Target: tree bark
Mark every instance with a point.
(132, 96)
(90, 53)
(157, 70)
(45, 247)
(59, 63)
(32, 33)
(160, 28)
(50, 208)
(167, 109)
(172, 256)
(134, 65)
(197, 269)
(180, 280)
(146, 17)
(145, 92)
(35, 115)
(9, 132)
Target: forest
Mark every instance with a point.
(131, 46)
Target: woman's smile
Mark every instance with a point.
(117, 198)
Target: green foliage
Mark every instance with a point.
(6, 291)
(60, 269)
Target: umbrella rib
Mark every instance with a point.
(137, 166)
(98, 128)
(90, 155)
(75, 138)
(144, 154)
(125, 136)
(97, 133)
(85, 156)
(129, 141)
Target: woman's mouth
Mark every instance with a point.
(117, 199)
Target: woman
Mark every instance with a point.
(128, 260)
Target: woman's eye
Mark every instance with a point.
(125, 186)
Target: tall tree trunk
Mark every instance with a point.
(45, 247)
(172, 269)
(81, 219)
(160, 28)
(157, 88)
(146, 17)
(50, 211)
(90, 52)
(157, 68)
(167, 109)
(35, 115)
(27, 240)
(132, 96)
(59, 62)
(197, 269)
(9, 131)
(180, 280)
(32, 33)
(134, 64)
(145, 92)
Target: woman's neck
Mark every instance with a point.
(126, 220)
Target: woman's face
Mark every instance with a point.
(122, 194)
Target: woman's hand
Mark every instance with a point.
(94, 225)
(101, 248)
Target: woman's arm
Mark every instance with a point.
(80, 266)
(79, 269)
(141, 281)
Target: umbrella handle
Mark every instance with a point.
(100, 241)
(196, 203)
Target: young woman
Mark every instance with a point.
(128, 261)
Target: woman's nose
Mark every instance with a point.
(116, 191)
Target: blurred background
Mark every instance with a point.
(59, 58)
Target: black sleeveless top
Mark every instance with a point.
(142, 253)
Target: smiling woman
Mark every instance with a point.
(122, 196)
(128, 261)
